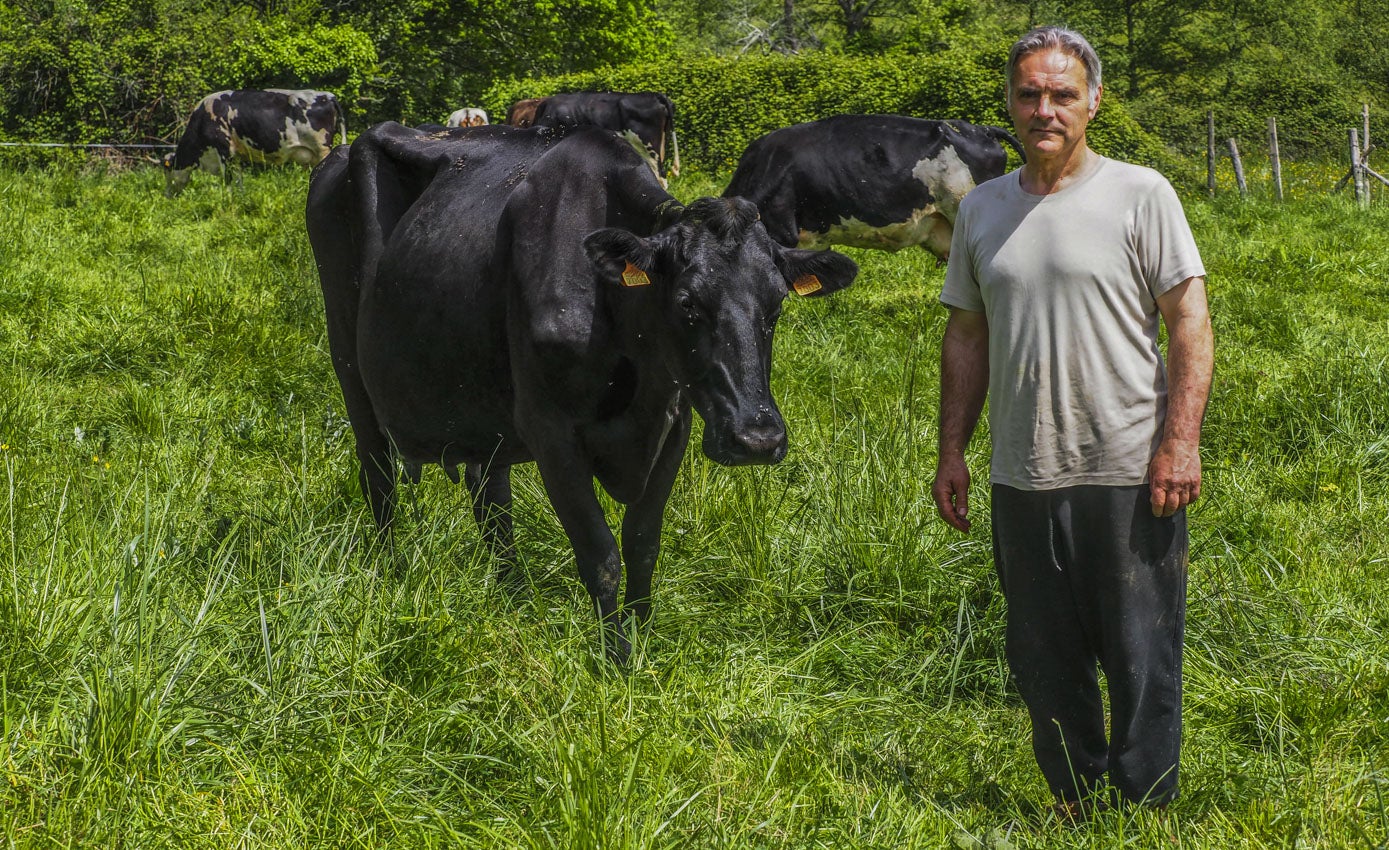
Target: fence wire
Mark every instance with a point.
(88, 146)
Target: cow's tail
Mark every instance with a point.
(674, 143)
(1004, 136)
(341, 121)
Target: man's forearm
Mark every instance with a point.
(1190, 363)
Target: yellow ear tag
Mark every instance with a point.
(807, 284)
(633, 276)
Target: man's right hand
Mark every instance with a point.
(951, 491)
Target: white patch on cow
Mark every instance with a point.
(646, 153)
(948, 180)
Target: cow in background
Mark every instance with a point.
(522, 112)
(265, 127)
(468, 116)
(645, 119)
(869, 181)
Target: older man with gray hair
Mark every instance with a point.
(1060, 273)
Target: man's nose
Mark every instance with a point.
(1044, 107)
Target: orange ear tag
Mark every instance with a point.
(807, 284)
(633, 276)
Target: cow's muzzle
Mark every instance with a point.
(761, 439)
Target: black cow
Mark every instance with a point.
(870, 181)
(498, 295)
(271, 127)
(644, 118)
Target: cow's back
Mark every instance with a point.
(277, 126)
(432, 329)
(647, 114)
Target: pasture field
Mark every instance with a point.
(203, 646)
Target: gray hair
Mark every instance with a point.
(1067, 41)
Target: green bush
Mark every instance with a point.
(722, 104)
(128, 71)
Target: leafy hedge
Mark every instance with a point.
(131, 71)
(722, 104)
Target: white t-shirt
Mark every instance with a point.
(1068, 283)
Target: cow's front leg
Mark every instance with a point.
(641, 525)
(490, 487)
(569, 483)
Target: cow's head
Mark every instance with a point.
(716, 282)
(175, 179)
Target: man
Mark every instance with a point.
(1058, 275)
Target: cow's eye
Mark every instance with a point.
(687, 306)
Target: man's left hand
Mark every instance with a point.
(1174, 476)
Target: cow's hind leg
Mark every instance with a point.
(641, 525)
(376, 474)
(490, 487)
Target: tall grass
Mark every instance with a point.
(203, 645)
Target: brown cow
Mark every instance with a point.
(522, 112)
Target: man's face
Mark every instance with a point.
(1050, 104)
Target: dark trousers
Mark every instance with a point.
(1092, 578)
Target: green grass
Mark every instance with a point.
(201, 645)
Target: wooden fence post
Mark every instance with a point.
(1365, 148)
(1239, 168)
(1273, 158)
(1210, 152)
(1357, 171)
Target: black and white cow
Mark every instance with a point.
(498, 295)
(271, 127)
(645, 119)
(870, 181)
(468, 116)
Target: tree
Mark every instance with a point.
(437, 55)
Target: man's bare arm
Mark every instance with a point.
(1174, 475)
(964, 382)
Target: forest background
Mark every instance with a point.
(129, 71)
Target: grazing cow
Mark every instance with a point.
(870, 181)
(468, 116)
(522, 112)
(270, 127)
(645, 119)
(499, 295)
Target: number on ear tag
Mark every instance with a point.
(807, 284)
(633, 276)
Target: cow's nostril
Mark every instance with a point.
(762, 439)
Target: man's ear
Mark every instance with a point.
(816, 272)
(621, 256)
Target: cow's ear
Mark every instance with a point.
(816, 272)
(621, 256)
